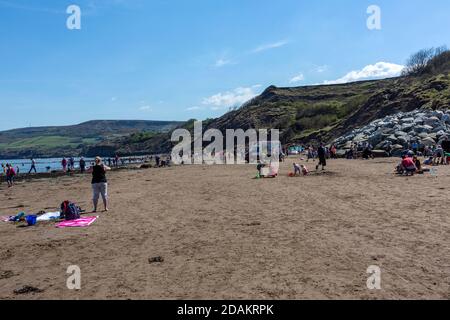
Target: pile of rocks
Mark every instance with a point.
(397, 132)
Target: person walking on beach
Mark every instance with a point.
(64, 164)
(33, 166)
(321, 153)
(82, 165)
(10, 173)
(333, 151)
(99, 183)
(71, 164)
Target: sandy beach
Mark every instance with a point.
(224, 235)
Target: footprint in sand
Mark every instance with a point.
(156, 260)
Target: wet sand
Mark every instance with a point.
(224, 235)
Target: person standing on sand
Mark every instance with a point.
(333, 151)
(64, 164)
(33, 166)
(71, 163)
(99, 182)
(82, 165)
(322, 157)
(10, 173)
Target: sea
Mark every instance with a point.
(42, 165)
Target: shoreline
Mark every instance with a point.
(59, 173)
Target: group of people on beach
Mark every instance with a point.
(98, 170)
(411, 164)
(323, 151)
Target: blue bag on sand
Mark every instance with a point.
(31, 220)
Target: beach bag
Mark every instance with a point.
(70, 211)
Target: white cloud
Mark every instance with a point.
(270, 46)
(297, 78)
(321, 69)
(222, 62)
(195, 108)
(232, 98)
(145, 108)
(372, 71)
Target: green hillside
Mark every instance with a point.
(74, 140)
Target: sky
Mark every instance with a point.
(178, 59)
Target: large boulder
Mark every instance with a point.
(397, 152)
(432, 121)
(427, 142)
(438, 114)
(404, 140)
(407, 120)
(400, 133)
(446, 118)
(341, 153)
(392, 138)
(375, 138)
(440, 133)
(360, 138)
(407, 127)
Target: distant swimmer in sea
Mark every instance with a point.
(99, 183)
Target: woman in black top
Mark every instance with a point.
(99, 183)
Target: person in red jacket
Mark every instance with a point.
(10, 173)
(408, 165)
(64, 164)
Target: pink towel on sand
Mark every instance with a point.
(78, 223)
(4, 218)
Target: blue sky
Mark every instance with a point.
(178, 59)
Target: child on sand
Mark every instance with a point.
(408, 166)
(418, 165)
(305, 171)
(297, 169)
